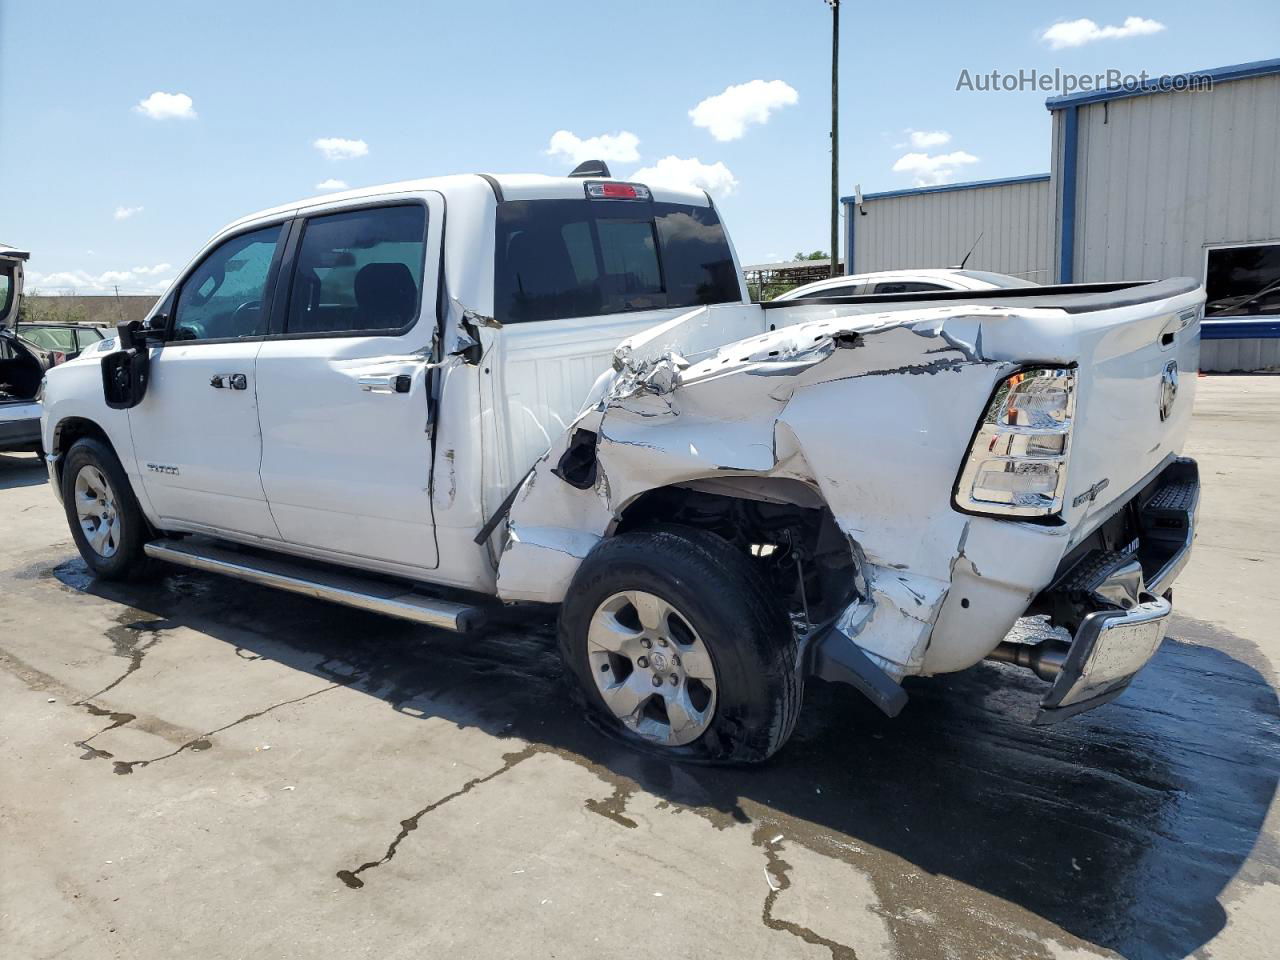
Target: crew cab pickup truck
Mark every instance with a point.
(435, 397)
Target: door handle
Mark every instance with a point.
(236, 381)
(388, 384)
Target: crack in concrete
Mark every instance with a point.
(202, 742)
(117, 720)
(776, 871)
(351, 877)
(126, 642)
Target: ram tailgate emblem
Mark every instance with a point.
(1168, 388)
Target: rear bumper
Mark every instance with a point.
(1106, 653)
(1116, 602)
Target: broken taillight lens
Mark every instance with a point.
(1017, 464)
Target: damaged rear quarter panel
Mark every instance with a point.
(875, 412)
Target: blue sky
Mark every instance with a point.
(104, 193)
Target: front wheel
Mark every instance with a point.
(105, 519)
(676, 644)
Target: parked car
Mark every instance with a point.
(566, 398)
(21, 365)
(905, 281)
(64, 341)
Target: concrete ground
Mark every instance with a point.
(195, 767)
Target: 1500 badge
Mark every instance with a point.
(1092, 493)
(162, 468)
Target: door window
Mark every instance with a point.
(359, 272)
(1243, 282)
(223, 297)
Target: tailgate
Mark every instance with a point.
(1138, 365)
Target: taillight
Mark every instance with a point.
(607, 190)
(58, 357)
(1017, 464)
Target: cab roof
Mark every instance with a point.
(473, 186)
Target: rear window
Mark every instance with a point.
(6, 289)
(580, 258)
(51, 338)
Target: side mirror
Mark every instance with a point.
(125, 371)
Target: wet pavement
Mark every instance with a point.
(199, 764)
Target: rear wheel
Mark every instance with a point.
(105, 519)
(676, 645)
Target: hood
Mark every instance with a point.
(11, 261)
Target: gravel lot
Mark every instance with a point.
(196, 767)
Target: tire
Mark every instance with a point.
(118, 554)
(717, 618)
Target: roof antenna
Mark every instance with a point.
(591, 168)
(970, 253)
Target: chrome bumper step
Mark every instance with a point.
(349, 589)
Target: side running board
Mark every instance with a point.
(352, 590)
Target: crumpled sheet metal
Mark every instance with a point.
(865, 409)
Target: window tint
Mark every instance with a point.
(847, 290)
(577, 258)
(695, 256)
(907, 286)
(1243, 282)
(359, 271)
(222, 298)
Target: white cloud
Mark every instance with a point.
(337, 148)
(139, 280)
(331, 184)
(610, 147)
(166, 106)
(689, 173)
(1076, 33)
(930, 170)
(124, 213)
(924, 139)
(727, 115)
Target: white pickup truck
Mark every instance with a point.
(434, 397)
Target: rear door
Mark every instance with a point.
(574, 278)
(195, 433)
(343, 386)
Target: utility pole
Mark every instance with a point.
(835, 137)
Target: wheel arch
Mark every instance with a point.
(70, 429)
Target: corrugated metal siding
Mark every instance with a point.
(1161, 177)
(937, 229)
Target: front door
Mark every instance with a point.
(196, 433)
(343, 387)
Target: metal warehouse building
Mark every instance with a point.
(1143, 184)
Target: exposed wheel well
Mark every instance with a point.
(790, 543)
(71, 429)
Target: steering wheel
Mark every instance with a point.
(242, 311)
(190, 330)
